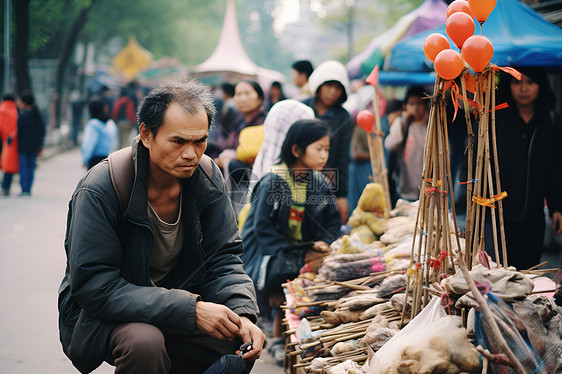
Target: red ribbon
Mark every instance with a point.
(511, 71)
(499, 107)
(443, 255)
(454, 95)
(434, 263)
(470, 101)
(429, 190)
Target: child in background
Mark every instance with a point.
(394, 110)
(407, 137)
(292, 204)
(329, 85)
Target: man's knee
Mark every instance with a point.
(139, 344)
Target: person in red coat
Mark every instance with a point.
(8, 135)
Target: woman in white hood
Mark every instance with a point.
(277, 122)
(329, 85)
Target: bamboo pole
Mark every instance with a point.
(497, 169)
(469, 185)
(383, 172)
(477, 209)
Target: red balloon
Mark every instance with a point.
(477, 51)
(434, 44)
(482, 8)
(366, 120)
(448, 64)
(459, 27)
(459, 6)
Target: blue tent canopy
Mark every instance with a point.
(520, 36)
(401, 78)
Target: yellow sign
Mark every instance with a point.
(132, 59)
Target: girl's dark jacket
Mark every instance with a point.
(265, 232)
(107, 279)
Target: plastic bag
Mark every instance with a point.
(389, 354)
(512, 330)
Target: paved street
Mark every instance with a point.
(32, 234)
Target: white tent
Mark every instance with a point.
(229, 58)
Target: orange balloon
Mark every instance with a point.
(434, 44)
(459, 27)
(482, 8)
(477, 51)
(459, 6)
(448, 64)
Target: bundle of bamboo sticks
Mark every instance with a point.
(484, 182)
(432, 243)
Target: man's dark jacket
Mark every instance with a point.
(107, 278)
(31, 131)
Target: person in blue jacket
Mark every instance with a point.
(293, 203)
(100, 135)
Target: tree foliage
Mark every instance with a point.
(186, 30)
(369, 18)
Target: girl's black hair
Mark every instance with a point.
(303, 133)
(544, 101)
(256, 88)
(97, 110)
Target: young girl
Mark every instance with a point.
(291, 204)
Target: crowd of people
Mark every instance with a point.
(195, 244)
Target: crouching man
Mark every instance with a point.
(157, 285)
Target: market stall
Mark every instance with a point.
(405, 291)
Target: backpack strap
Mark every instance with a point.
(121, 171)
(207, 165)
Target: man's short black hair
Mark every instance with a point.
(393, 105)
(304, 67)
(192, 96)
(414, 91)
(28, 98)
(97, 110)
(9, 96)
(228, 89)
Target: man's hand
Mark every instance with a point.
(557, 222)
(318, 251)
(248, 332)
(322, 246)
(217, 320)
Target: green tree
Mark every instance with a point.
(186, 30)
(255, 19)
(361, 20)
